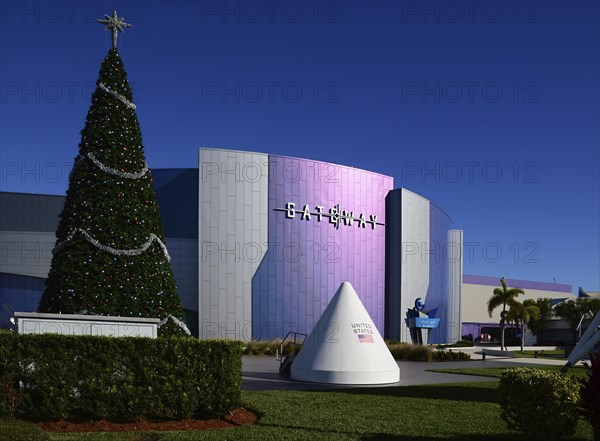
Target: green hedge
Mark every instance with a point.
(450, 356)
(49, 376)
(458, 344)
(405, 351)
(540, 403)
(400, 351)
(262, 347)
(590, 393)
(410, 352)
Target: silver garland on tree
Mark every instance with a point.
(176, 321)
(110, 170)
(114, 251)
(118, 96)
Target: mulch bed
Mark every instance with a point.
(239, 417)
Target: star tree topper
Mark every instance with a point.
(115, 24)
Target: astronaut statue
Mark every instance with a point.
(418, 319)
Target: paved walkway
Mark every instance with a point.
(262, 373)
(475, 353)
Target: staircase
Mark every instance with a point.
(289, 348)
(285, 368)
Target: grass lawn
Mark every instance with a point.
(577, 371)
(459, 411)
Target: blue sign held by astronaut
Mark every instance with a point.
(418, 319)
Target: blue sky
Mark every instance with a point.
(488, 109)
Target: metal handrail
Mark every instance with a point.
(295, 343)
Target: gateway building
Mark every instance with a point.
(259, 243)
(278, 235)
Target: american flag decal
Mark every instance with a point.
(365, 338)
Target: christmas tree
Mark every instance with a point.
(110, 256)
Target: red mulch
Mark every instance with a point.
(239, 417)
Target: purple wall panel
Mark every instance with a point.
(307, 260)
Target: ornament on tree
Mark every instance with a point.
(98, 263)
(115, 24)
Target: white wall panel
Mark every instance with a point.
(232, 229)
(415, 265)
(454, 258)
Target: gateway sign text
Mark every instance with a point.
(336, 216)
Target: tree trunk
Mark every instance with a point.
(502, 345)
(522, 335)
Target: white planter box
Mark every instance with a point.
(74, 324)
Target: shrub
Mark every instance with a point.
(590, 394)
(542, 404)
(9, 394)
(450, 356)
(459, 344)
(262, 347)
(410, 352)
(122, 379)
(390, 342)
(269, 347)
(465, 343)
(17, 430)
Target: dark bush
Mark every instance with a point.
(590, 394)
(271, 347)
(450, 356)
(458, 344)
(390, 342)
(542, 404)
(121, 379)
(9, 393)
(410, 352)
(262, 347)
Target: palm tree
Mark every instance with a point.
(502, 297)
(539, 321)
(521, 313)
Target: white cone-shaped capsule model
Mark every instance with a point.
(345, 347)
